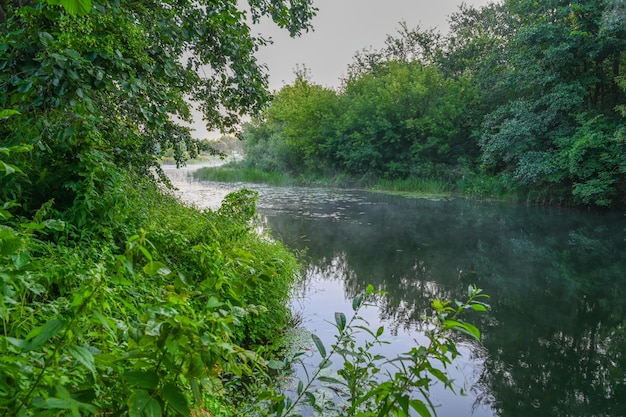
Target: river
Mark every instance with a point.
(554, 342)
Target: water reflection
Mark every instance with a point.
(555, 341)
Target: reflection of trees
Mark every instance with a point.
(558, 347)
(556, 335)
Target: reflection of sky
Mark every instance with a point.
(323, 295)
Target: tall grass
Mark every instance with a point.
(434, 186)
(237, 173)
(471, 185)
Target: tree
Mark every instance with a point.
(294, 132)
(559, 79)
(105, 90)
(403, 118)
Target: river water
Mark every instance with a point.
(554, 342)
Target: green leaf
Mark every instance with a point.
(156, 267)
(356, 303)
(33, 226)
(6, 113)
(152, 409)
(74, 7)
(365, 329)
(42, 334)
(330, 380)
(45, 38)
(466, 328)
(9, 169)
(340, 319)
(145, 252)
(403, 401)
(174, 397)
(83, 356)
(142, 379)
(137, 403)
(274, 364)
(63, 401)
(420, 407)
(319, 344)
(311, 398)
(471, 290)
(213, 302)
(141, 404)
(54, 224)
(20, 343)
(439, 374)
(325, 364)
(10, 242)
(479, 307)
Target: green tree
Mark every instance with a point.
(402, 119)
(105, 90)
(558, 80)
(294, 132)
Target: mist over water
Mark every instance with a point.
(555, 339)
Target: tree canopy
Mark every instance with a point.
(110, 88)
(525, 94)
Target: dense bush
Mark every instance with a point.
(134, 323)
(517, 93)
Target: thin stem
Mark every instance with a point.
(319, 370)
(59, 344)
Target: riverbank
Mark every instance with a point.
(471, 185)
(148, 304)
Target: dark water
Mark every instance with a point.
(554, 343)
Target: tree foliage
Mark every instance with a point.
(530, 95)
(294, 133)
(110, 87)
(115, 298)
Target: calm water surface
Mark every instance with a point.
(554, 343)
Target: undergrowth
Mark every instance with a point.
(150, 310)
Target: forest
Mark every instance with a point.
(520, 99)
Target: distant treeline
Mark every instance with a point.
(225, 144)
(519, 97)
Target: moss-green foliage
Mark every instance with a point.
(237, 172)
(147, 310)
(526, 97)
(109, 87)
(156, 319)
(115, 299)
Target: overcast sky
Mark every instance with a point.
(342, 28)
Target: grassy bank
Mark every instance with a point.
(146, 305)
(480, 187)
(200, 159)
(234, 172)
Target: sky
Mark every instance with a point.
(341, 28)
(344, 27)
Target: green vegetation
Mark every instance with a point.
(519, 100)
(116, 298)
(233, 172)
(368, 384)
(151, 323)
